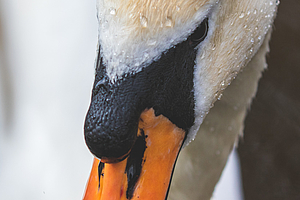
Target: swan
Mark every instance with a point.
(167, 71)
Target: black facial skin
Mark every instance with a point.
(165, 85)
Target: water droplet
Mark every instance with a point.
(168, 22)
(105, 25)
(146, 55)
(259, 38)
(144, 21)
(202, 56)
(222, 83)
(255, 12)
(151, 42)
(277, 2)
(137, 64)
(220, 96)
(213, 47)
(252, 40)
(112, 11)
(178, 8)
(242, 15)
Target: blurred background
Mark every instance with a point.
(270, 150)
(47, 53)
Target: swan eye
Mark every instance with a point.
(199, 33)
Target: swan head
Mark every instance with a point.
(161, 66)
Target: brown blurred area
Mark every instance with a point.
(270, 150)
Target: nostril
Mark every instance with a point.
(100, 83)
(100, 86)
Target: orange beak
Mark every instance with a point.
(162, 142)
